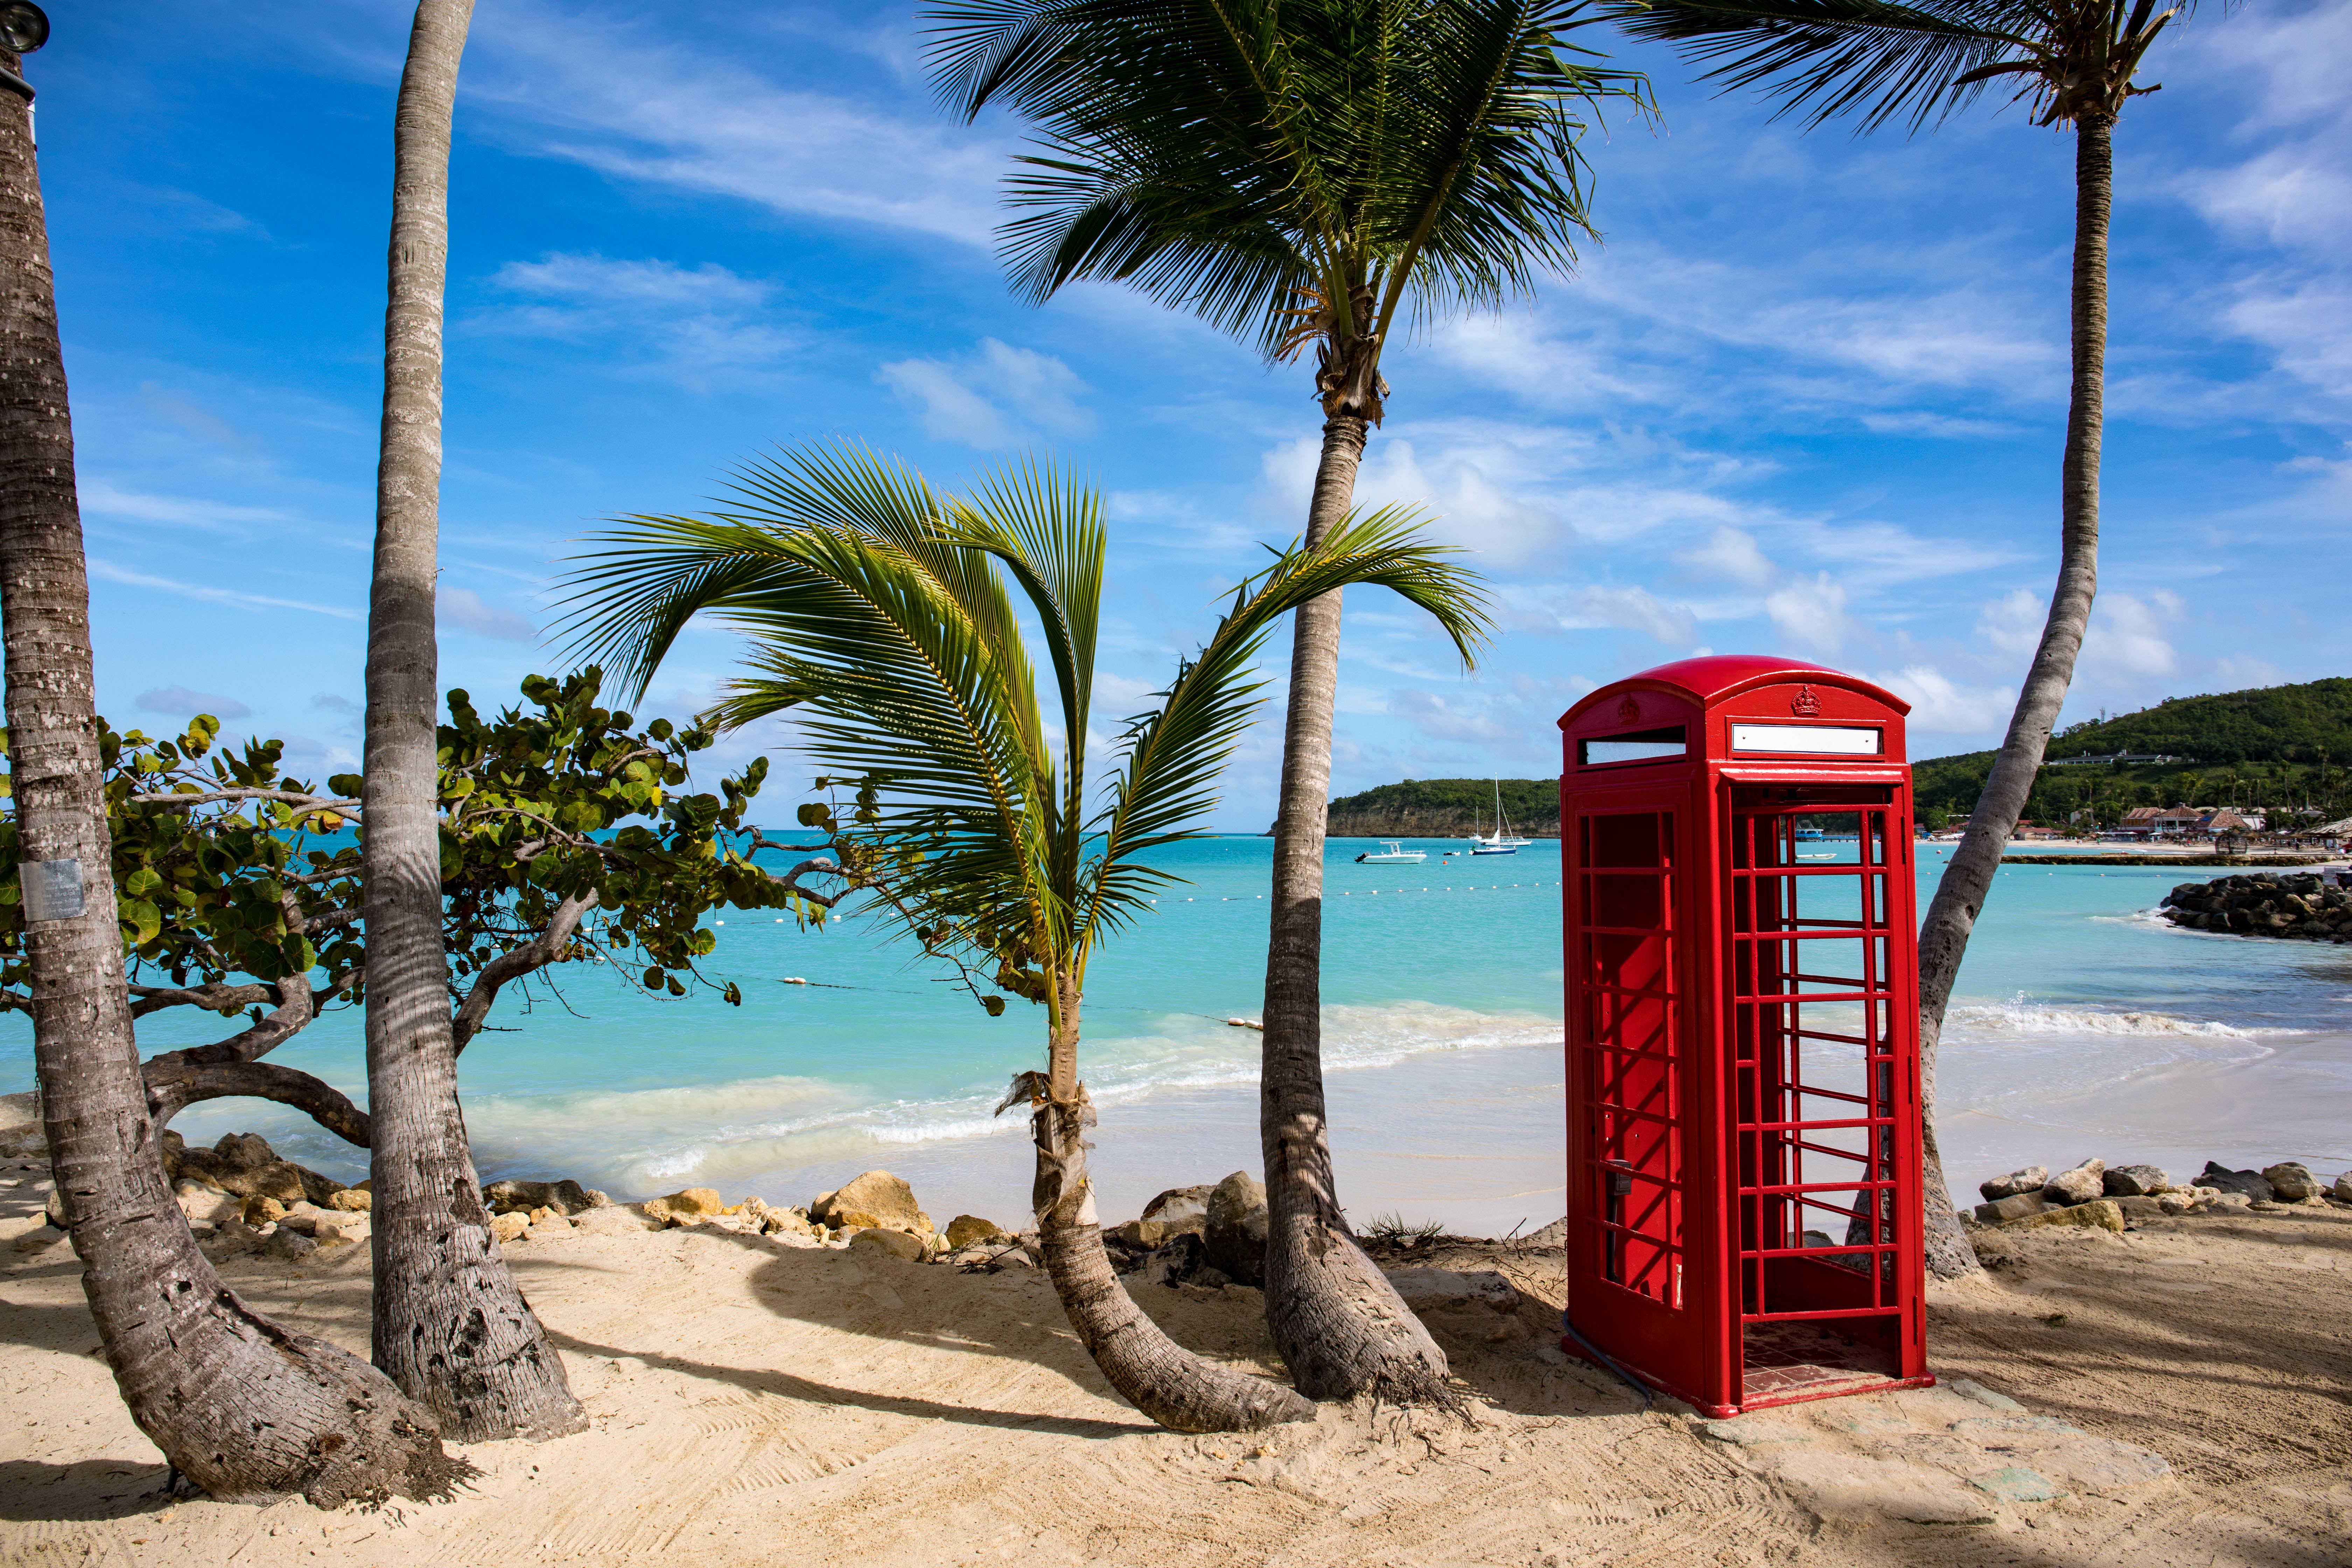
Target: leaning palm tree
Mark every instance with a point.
(2074, 61)
(1297, 172)
(882, 611)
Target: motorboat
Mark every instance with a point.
(1393, 852)
(1502, 841)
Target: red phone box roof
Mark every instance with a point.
(1737, 707)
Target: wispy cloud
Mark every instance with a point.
(179, 703)
(468, 611)
(107, 571)
(692, 325)
(993, 396)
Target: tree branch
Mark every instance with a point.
(174, 1083)
(181, 802)
(214, 998)
(537, 953)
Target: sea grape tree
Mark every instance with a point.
(567, 837)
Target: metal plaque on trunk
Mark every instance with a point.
(52, 889)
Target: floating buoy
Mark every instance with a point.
(792, 980)
(1246, 1024)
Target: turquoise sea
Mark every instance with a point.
(2082, 1026)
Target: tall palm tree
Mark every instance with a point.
(883, 611)
(237, 1403)
(451, 1327)
(1297, 172)
(2075, 60)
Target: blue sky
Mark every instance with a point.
(1808, 396)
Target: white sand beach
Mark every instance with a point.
(756, 1403)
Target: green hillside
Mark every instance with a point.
(1421, 807)
(2271, 746)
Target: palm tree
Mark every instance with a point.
(237, 1403)
(450, 1325)
(883, 612)
(1920, 60)
(1296, 172)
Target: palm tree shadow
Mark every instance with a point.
(84, 1491)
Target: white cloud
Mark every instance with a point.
(179, 703)
(1730, 553)
(98, 497)
(1558, 607)
(988, 397)
(468, 611)
(1943, 706)
(2129, 637)
(106, 571)
(688, 324)
(1811, 614)
(2243, 672)
(642, 102)
(2012, 624)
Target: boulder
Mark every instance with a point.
(508, 1227)
(2248, 1183)
(260, 1209)
(2079, 1185)
(243, 1164)
(884, 1238)
(786, 1222)
(339, 1227)
(1180, 1209)
(1235, 1229)
(353, 1200)
(2135, 1206)
(2100, 1214)
(971, 1230)
(288, 1245)
(2174, 1202)
(1436, 1289)
(301, 1218)
(878, 1200)
(56, 1209)
(690, 1207)
(2031, 1179)
(565, 1197)
(2018, 1206)
(1141, 1234)
(203, 1204)
(2291, 1182)
(2135, 1182)
(2343, 1188)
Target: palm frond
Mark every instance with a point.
(1876, 59)
(1174, 753)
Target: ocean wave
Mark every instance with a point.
(2021, 1016)
(638, 1140)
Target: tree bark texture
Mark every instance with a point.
(1151, 1372)
(450, 1325)
(245, 1409)
(1340, 1326)
(1960, 895)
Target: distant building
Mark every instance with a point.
(2227, 821)
(2159, 821)
(2129, 758)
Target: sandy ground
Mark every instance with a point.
(755, 1403)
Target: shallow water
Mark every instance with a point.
(2082, 1025)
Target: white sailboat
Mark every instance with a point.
(1502, 841)
(1394, 854)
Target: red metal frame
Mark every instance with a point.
(1744, 1197)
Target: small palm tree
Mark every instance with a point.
(883, 612)
(2075, 60)
(1297, 172)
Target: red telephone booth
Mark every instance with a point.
(1744, 1209)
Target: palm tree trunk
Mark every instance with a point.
(450, 1326)
(1340, 1326)
(245, 1409)
(1944, 934)
(1153, 1373)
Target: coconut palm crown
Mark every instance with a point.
(890, 618)
(2074, 61)
(1294, 172)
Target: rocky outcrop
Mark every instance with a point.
(566, 1198)
(1235, 1229)
(2265, 903)
(243, 1164)
(876, 1200)
(2079, 1185)
(2031, 1179)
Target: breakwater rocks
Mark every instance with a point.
(2097, 1196)
(2263, 904)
